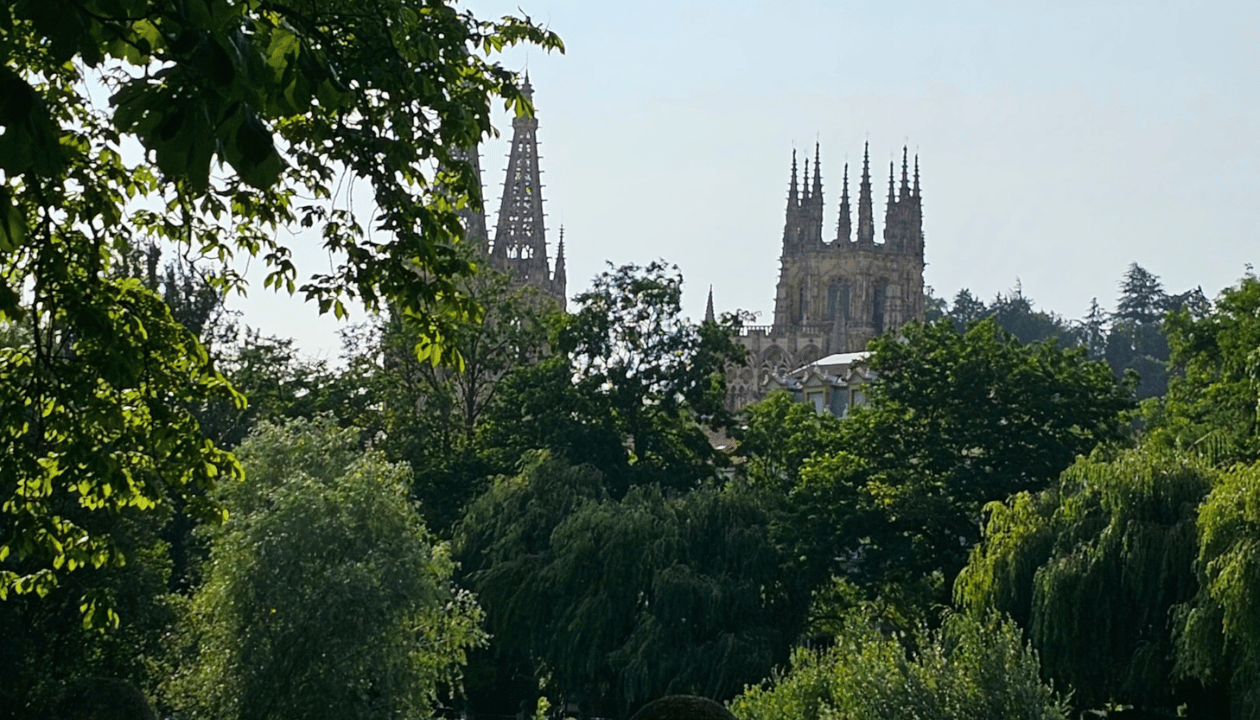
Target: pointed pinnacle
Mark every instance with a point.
(905, 185)
(792, 187)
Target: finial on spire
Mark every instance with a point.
(916, 176)
(709, 317)
(892, 198)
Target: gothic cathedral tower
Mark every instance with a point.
(834, 297)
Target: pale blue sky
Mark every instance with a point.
(1059, 141)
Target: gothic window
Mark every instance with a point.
(801, 299)
(838, 300)
(881, 297)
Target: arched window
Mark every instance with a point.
(838, 300)
(802, 297)
(881, 299)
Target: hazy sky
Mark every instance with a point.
(1059, 141)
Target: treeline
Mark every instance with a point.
(570, 511)
(1130, 337)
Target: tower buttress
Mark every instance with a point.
(866, 220)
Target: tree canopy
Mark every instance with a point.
(324, 597)
(249, 114)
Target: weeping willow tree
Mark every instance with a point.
(630, 599)
(1220, 637)
(1094, 569)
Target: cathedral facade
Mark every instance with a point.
(834, 296)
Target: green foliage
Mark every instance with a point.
(50, 642)
(1213, 407)
(433, 415)
(1094, 569)
(253, 116)
(629, 389)
(970, 668)
(324, 597)
(1220, 638)
(780, 435)
(656, 375)
(633, 598)
(956, 421)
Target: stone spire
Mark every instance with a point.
(892, 211)
(916, 178)
(844, 229)
(805, 186)
(816, 202)
(520, 242)
(791, 222)
(559, 279)
(709, 317)
(904, 191)
(866, 219)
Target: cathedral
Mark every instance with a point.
(520, 238)
(834, 296)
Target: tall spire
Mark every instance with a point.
(791, 223)
(816, 202)
(916, 177)
(892, 211)
(805, 184)
(844, 230)
(866, 219)
(560, 278)
(817, 190)
(520, 242)
(904, 190)
(708, 308)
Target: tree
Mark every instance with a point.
(1014, 313)
(967, 308)
(1213, 404)
(970, 668)
(431, 414)
(1090, 331)
(1095, 569)
(633, 598)
(1219, 639)
(286, 99)
(956, 421)
(659, 376)
(1135, 340)
(629, 389)
(325, 597)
